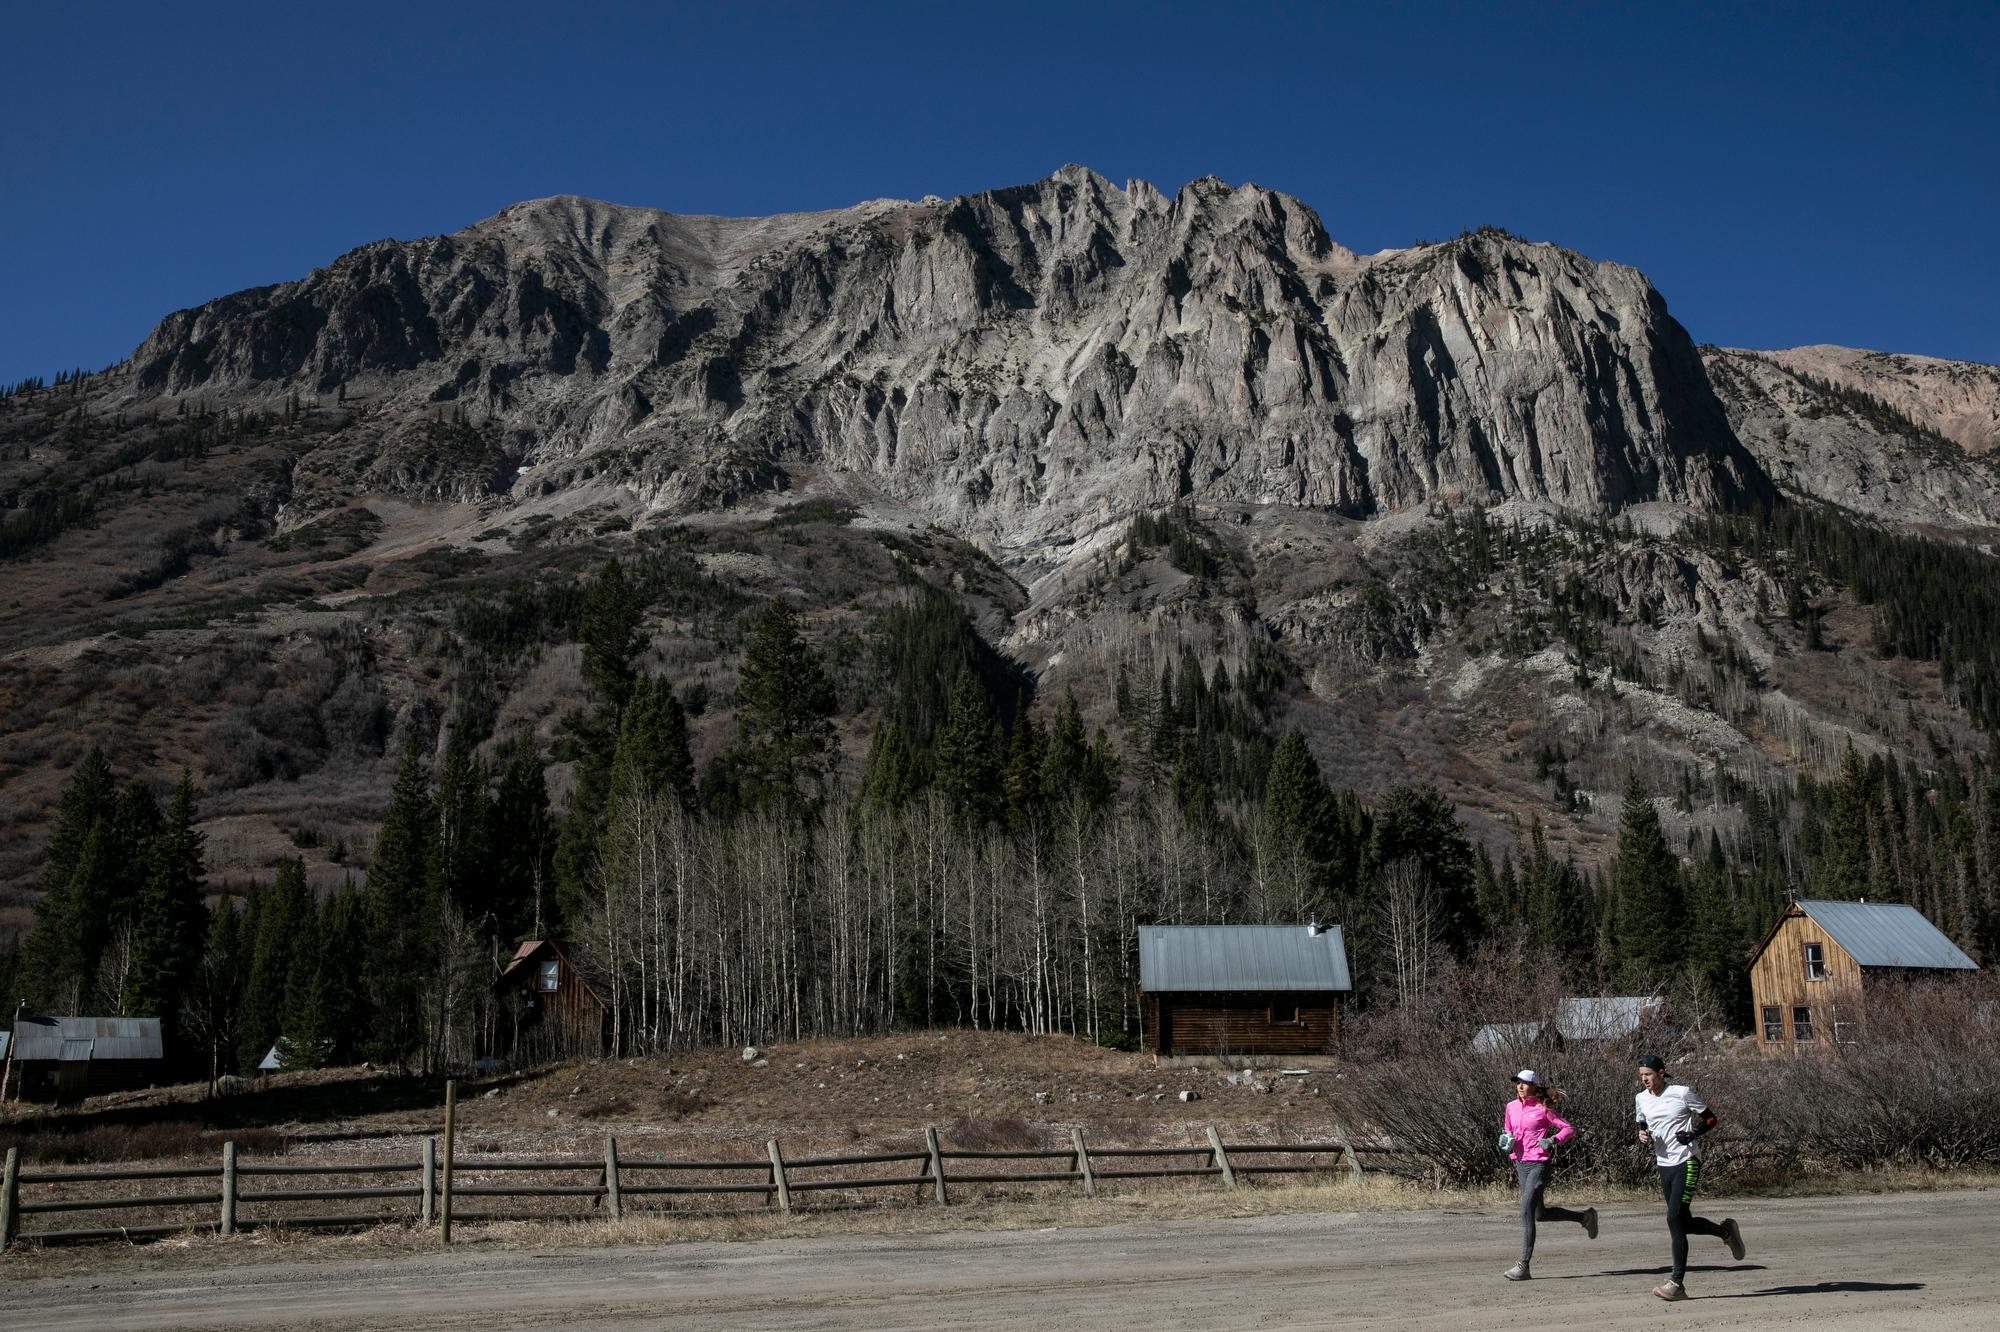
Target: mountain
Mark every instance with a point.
(1022, 366)
(1475, 513)
(1907, 439)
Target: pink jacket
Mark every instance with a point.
(1528, 1123)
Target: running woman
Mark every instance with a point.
(1530, 1130)
(1672, 1120)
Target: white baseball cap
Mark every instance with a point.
(1527, 1075)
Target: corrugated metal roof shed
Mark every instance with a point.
(1887, 934)
(88, 1038)
(1190, 958)
(1604, 1018)
(1504, 1036)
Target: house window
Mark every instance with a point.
(1285, 1012)
(1846, 1033)
(548, 977)
(1774, 1023)
(1815, 961)
(1802, 1024)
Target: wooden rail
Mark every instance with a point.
(612, 1185)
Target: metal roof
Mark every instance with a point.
(1185, 958)
(87, 1038)
(6, 1039)
(1605, 1018)
(1887, 934)
(1496, 1036)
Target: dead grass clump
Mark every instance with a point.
(111, 1143)
(1000, 1133)
(616, 1105)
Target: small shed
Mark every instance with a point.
(1497, 1036)
(551, 1011)
(1242, 989)
(69, 1058)
(1611, 1017)
(1810, 977)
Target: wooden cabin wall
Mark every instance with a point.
(1240, 1024)
(1778, 978)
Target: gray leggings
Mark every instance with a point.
(1534, 1177)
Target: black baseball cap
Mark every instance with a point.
(1654, 1062)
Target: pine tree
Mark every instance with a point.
(343, 997)
(523, 846)
(785, 741)
(1843, 871)
(1026, 750)
(888, 777)
(68, 932)
(1649, 930)
(399, 914)
(172, 921)
(284, 917)
(966, 759)
(1417, 823)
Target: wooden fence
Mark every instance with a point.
(216, 1199)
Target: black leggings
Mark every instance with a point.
(1678, 1182)
(1534, 1177)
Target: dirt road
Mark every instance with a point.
(1914, 1260)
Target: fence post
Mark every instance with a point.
(1352, 1160)
(937, 1163)
(1083, 1163)
(430, 1180)
(611, 1178)
(778, 1176)
(10, 1197)
(450, 1126)
(1221, 1158)
(229, 1188)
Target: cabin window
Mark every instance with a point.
(1802, 1024)
(1846, 1033)
(1285, 1012)
(1815, 961)
(1774, 1023)
(549, 977)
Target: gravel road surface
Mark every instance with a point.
(1910, 1260)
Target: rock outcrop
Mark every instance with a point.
(1022, 365)
(1905, 439)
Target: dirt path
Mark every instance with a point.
(1918, 1260)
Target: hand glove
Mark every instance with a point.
(1549, 1142)
(1684, 1137)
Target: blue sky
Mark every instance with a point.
(1784, 173)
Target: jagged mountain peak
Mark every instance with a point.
(1022, 364)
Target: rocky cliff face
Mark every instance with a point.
(1906, 439)
(1023, 365)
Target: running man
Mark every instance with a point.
(1530, 1130)
(1672, 1120)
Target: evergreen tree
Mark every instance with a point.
(343, 996)
(889, 776)
(305, 1030)
(785, 743)
(1650, 926)
(67, 936)
(1843, 871)
(1026, 751)
(1066, 754)
(172, 921)
(284, 918)
(523, 846)
(1417, 823)
(399, 914)
(464, 857)
(966, 760)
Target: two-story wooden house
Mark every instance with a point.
(1810, 978)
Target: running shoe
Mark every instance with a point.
(1518, 1272)
(1590, 1222)
(1671, 1290)
(1733, 1237)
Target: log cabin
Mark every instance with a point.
(1242, 990)
(1811, 976)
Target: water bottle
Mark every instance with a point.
(1506, 1143)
